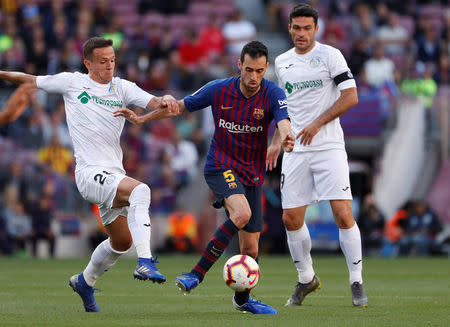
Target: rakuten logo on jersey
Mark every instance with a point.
(238, 128)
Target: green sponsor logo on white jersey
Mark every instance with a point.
(84, 98)
(291, 87)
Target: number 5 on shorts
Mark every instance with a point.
(229, 177)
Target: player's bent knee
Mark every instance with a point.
(141, 195)
(241, 218)
(291, 222)
(122, 244)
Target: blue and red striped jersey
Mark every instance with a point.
(241, 125)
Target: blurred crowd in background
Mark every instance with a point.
(175, 47)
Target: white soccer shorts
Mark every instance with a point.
(99, 185)
(308, 177)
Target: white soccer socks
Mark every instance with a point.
(299, 242)
(350, 240)
(102, 259)
(139, 220)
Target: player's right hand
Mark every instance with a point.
(128, 114)
(288, 143)
(171, 104)
(273, 151)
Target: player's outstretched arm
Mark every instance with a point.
(273, 151)
(347, 99)
(18, 77)
(282, 137)
(17, 103)
(287, 139)
(157, 114)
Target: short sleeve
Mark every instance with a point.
(133, 94)
(58, 83)
(278, 104)
(277, 73)
(200, 99)
(338, 65)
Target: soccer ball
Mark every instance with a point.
(241, 273)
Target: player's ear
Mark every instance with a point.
(87, 63)
(239, 64)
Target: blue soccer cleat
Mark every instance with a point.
(85, 291)
(146, 270)
(187, 282)
(255, 307)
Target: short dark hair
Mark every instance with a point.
(304, 10)
(254, 49)
(93, 43)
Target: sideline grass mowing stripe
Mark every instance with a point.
(402, 292)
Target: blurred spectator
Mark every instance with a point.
(211, 38)
(358, 56)
(164, 184)
(393, 36)
(114, 31)
(422, 227)
(238, 31)
(18, 225)
(371, 225)
(273, 239)
(333, 32)
(184, 159)
(182, 233)
(57, 126)
(379, 69)
(187, 125)
(442, 74)
(56, 156)
(446, 33)
(42, 216)
(363, 25)
(394, 230)
(428, 48)
(382, 14)
(163, 6)
(31, 136)
(190, 52)
(5, 243)
(274, 10)
(102, 15)
(421, 84)
(200, 142)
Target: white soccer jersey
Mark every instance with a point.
(89, 105)
(308, 80)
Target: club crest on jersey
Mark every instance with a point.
(232, 185)
(110, 179)
(112, 88)
(258, 113)
(315, 62)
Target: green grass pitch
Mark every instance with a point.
(402, 292)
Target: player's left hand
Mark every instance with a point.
(273, 151)
(306, 134)
(128, 114)
(288, 143)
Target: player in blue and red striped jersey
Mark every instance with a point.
(242, 107)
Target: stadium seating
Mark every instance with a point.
(364, 119)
